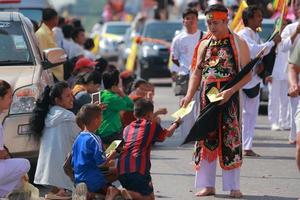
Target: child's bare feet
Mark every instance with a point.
(111, 193)
(236, 194)
(125, 194)
(208, 191)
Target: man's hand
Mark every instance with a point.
(298, 28)
(185, 101)
(3, 154)
(294, 90)
(118, 90)
(161, 111)
(226, 95)
(259, 68)
(269, 79)
(277, 38)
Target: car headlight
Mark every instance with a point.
(24, 100)
(104, 43)
(149, 51)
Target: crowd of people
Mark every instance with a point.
(66, 121)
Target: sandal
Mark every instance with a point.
(250, 153)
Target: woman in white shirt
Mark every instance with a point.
(11, 169)
(53, 125)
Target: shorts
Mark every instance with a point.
(137, 182)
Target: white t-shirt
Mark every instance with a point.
(255, 46)
(182, 49)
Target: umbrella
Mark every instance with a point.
(209, 114)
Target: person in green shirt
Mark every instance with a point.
(116, 101)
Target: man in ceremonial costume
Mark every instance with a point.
(252, 18)
(217, 59)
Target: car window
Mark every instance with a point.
(117, 30)
(163, 31)
(14, 48)
(33, 14)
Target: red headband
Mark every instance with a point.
(216, 15)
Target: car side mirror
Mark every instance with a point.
(53, 57)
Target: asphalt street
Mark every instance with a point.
(274, 175)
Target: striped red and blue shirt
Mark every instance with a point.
(138, 137)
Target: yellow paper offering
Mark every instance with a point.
(184, 111)
(212, 95)
(114, 145)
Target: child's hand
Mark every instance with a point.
(178, 121)
(103, 106)
(161, 111)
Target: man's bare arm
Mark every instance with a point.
(293, 72)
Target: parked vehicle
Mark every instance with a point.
(32, 9)
(24, 67)
(112, 35)
(153, 56)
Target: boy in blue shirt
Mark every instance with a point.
(88, 154)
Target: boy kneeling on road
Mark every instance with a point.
(134, 161)
(88, 155)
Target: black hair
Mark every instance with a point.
(110, 78)
(89, 44)
(138, 83)
(77, 23)
(76, 32)
(42, 107)
(4, 87)
(61, 21)
(87, 113)
(49, 14)
(188, 11)
(101, 65)
(248, 13)
(35, 25)
(67, 30)
(142, 107)
(216, 8)
(88, 77)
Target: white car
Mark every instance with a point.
(26, 70)
(110, 38)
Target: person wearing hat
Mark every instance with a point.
(82, 65)
(217, 60)
(182, 49)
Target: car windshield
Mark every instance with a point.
(117, 29)
(14, 48)
(33, 14)
(165, 31)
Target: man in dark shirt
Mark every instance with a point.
(134, 162)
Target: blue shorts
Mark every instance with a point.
(137, 182)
